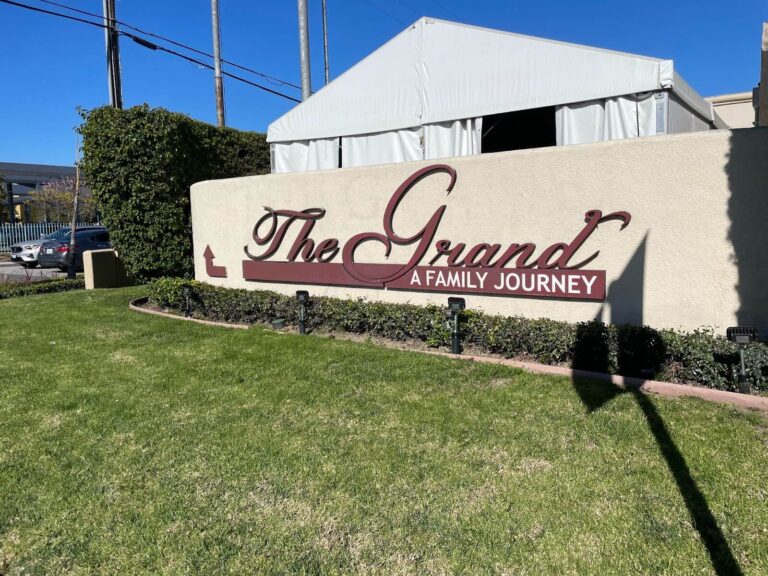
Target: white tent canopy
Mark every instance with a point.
(435, 73)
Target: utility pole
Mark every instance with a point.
(762, 90)
(113, 55)
(306, 81)
(73, 230)
(9, 201)
(221, 120)
(325, 43)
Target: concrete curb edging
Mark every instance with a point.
(136, 306)
(626, 382)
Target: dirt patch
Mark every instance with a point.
(531, 465)
(500, 382)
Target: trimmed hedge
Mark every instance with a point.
(139, 164)
(43, 287)
(699, 357)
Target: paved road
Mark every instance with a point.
(10, 272)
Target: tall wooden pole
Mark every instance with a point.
(73, 230)
(111, 36)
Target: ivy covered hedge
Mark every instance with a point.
(15, 289)
(699, 357)
(139, 164)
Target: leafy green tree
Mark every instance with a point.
(53, 202)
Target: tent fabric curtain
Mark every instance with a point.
(441, 140)
(449, 139)
(683, 119)
(609, 119)
(382, 148)
(305, 155)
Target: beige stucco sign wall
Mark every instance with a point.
(673, 228)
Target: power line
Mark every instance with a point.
(409, 7)
(372, 5)
(271, 79)
(42, 10)
(445, 8)
(150, 45)
(153, 46)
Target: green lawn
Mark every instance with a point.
(132, 444)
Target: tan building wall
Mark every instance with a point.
(736, 110)
(693, 254)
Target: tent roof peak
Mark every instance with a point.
(437, 71)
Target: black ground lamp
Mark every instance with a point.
(303, 297)
(742, 336)
(455, 306)
(186, 289)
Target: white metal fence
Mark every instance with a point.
(13, 233)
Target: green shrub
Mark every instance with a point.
(699, 357)
(139, 164)
(594, 347)
(640, 350)
(43, 287)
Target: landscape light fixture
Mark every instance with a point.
(742, 336)
(455, 306)
(186, 289)
(303, 297)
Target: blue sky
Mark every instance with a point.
(49, 66)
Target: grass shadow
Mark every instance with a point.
(720, 554)
(595, 394)
(638, 349)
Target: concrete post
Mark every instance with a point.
(103, 269)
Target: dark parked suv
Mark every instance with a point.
(25, 253)
(54, 254)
